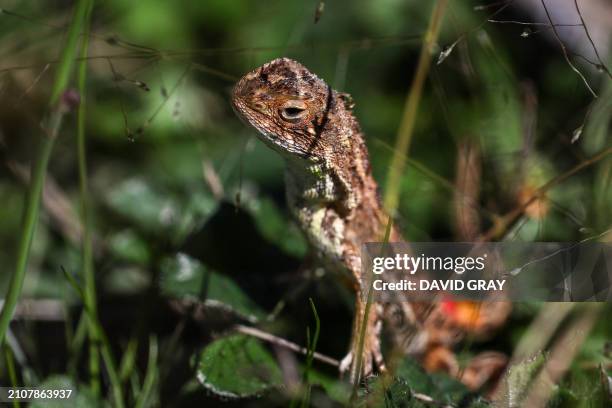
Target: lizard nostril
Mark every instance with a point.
(258, 106)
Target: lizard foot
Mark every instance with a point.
(371, 356)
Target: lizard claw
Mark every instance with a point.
(371, 360)
(345, 364)
(369, 363)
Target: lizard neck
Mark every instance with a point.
(337, 177)
(316, 183)
(336, 173)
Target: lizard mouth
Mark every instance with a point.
(282, 145)
(279, 144)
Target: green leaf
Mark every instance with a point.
(520, 375)
(418, 379)
(127, 245)
(160, 213)
(412, 386)
(449, 390)
(399, 394)
(276, 226)
(479, 403)
(127, 280)
(237, 366)
(183, 276)
(387, 392)
(606, 385)
(337, 390)
(80, 398)
(199, 207)
(136, 200)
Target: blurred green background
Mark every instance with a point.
(186, 201)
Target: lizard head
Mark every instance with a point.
(286, 103)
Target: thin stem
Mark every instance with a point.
(588, 34)
(29, 227)
(406, 128)
(565, 53)
(150, 376)
(76, 345)
(444, 183)
(86, 258)
(270, 338)
(107, 357)
(561, 355)
(111, 368)
(128, 360)
(507, 220)
(10, 366)
(312, 346)
(362, 335)
(40, 165)
(366, 317)
(527, 23)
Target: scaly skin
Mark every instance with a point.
(330, 188)
(330, 191)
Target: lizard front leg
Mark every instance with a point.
(371, 355)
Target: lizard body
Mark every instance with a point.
(331, 192)
(330, 188)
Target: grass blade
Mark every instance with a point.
(10, 367)
(41, 163)
(150, 376)
(104, 345)
(404, 134)
(86, 256)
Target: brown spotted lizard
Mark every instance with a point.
(330, 189)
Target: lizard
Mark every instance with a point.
(331, 192)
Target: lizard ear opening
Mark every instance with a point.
(293, 111)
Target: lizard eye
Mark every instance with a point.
(293, 111)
